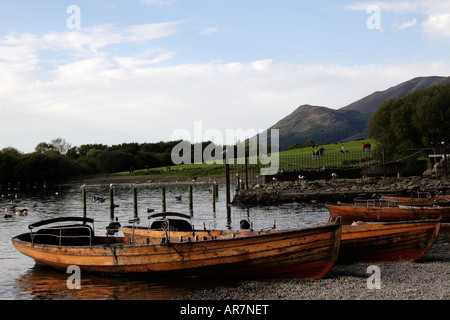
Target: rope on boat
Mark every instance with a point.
(171, 245)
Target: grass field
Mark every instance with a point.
(296, 159)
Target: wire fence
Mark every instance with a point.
(326, 166)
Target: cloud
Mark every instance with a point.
(436, 14)
(91, 39)
(405, 25)
(209, 30)
(93, 95)
(437, 25)
(112, 100)
(398, 7)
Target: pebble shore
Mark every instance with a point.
(425, 279)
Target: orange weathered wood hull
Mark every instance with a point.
(350, 213)
(442, 200)
(300, 253)
(387, 242)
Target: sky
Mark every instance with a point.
(125, 71)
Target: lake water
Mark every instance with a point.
(21, 279)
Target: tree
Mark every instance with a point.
(405, 123)
(8, 160)
(44, 147)
(60, 145)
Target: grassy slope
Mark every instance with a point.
(197, 170)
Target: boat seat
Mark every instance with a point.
(75, 235)
(174, 225)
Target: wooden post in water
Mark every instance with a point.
(163, 196)
(214, 197)
(227, 180)
(83, 196)
(191, 205)
(135, 205)
(227, 177)
(246, 171)
(111, 203)
(216, 189)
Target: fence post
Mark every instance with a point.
(163, 196)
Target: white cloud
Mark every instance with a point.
(436, 14)
(91, 39)
(209, 30)
(399, 7)
(437, 25)
(405, 25)
(111, 97)
(100, 100)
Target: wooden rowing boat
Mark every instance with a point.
(386, 212)
(306, 253)
(363, 242)
(387, 241)
(441, 200)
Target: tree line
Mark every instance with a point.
(406, 124)
(58, 161)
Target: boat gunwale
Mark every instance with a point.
(271, 234)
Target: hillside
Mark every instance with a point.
(371, 103)
(322, 124)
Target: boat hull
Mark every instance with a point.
(350, 213)
(442, 200)
(301, 253)
(387, 242)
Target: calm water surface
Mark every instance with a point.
(21, 279)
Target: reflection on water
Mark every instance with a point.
(22, 279)
(42, 282)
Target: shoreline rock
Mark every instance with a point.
(331, 191)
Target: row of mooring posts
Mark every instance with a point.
(112, 206)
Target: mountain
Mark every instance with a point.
(322, 124)
(371, 103)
